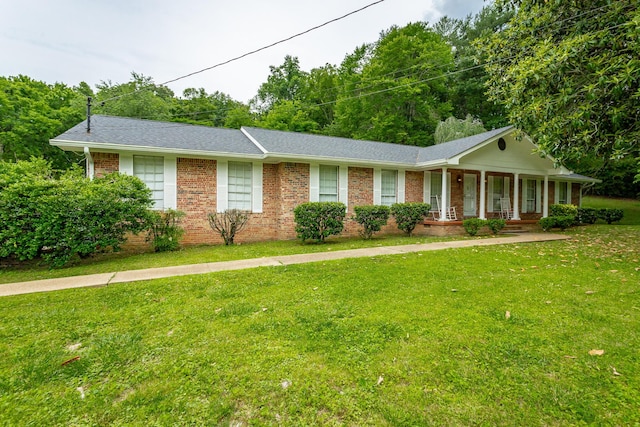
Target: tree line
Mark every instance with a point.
(566, 73)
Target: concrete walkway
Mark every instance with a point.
(105, 279)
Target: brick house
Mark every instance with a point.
(200, 169)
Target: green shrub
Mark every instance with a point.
(472, 225)
(547, 223)
(496, 224)
(228, 223)
(372, 218)
(587, 215)
(563, 210)
(610, 215)
(57, 219)
(564, 222)
(165, 230)
(408, 215)
(319, 220)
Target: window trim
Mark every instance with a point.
(335, 196)
(144, 161)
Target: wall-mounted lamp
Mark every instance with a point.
(459, 178)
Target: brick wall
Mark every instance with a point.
(414, 187)
(293, 187)
(105, 163)
(196, 194)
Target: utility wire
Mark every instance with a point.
(256, 50)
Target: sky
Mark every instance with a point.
(71, 41)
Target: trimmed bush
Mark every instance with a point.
(496, 224)
(587, 215)
(564, 222)
(408, 215)
(372, 218)
(228, 223)
(165, 230)
(610, 215)
(547, 223)
(58, 219)
(563, 210)
(319, 220)
(472, 225)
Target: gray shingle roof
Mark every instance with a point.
(306, 145)
(151, 134)
(155, 134)
(450, 149)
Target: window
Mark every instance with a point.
(436, 189)
(388, 189)
(328, 183)
(563, 193)
(530, 195)
(498, 192)
(240, 185)
(150, 170)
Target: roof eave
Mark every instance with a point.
(109, 147)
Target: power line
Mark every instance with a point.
(256, 50)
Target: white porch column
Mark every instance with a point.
(516, 196)
(483, 195)
(443, 197)
(545, 205)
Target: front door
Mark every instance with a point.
(470, 195)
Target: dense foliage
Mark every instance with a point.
(372, 218)
(57, 219)
(32, 112)
(319, 220)
(408, 215)
(568, 74)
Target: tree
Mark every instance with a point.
(198, 107)
(467, 84)
(453, 128)
(289, 116)
(31, 113)
(139, 98)
(568, 73)
(392, 90)
(285, 83)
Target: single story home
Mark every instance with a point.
(200, 169)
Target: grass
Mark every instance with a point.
(122, 261)
(418, 339)
(631, 207)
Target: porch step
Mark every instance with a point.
(514, 229)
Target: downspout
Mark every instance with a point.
(89, 163)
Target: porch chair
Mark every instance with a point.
(451, 213)
(435, 210)
(505, 208)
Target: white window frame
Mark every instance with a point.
(527, 200)
(567, 186)
(240, 185)
(328, 184)
(388, 187)
(223, 186)
(151, 170)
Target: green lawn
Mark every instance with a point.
(630, 207)
(121, 261)
(477, 336)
